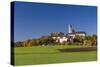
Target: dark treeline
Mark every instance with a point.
(48, 40)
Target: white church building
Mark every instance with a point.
(73, 34)
(70, 35)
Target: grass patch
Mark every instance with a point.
(50, 54)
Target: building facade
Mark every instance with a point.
(70, 35)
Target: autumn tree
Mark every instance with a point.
(33, 42)
(46, 39)
(94, 39)
(27, 43)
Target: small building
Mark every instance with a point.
(60, 39)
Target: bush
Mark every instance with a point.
(69, 43)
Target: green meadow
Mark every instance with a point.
(50, 54)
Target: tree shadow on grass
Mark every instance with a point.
(82, 49)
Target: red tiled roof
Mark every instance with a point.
(76, 32)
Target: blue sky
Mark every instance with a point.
(32, 20)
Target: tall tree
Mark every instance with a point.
(27, 43)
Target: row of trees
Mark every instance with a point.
(87, 41)
(91, 40)
(47, 40)
(43, 40)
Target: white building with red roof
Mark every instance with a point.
(73, 34)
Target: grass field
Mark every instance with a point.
(50, 54)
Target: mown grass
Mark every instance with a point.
(50, 54)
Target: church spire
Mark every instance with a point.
(70, 28)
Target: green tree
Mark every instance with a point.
(88, 37)
(94, 37)
(56, 34)
(18, 44)
(33, 42)
(46, 39)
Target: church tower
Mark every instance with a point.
(70, 30)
